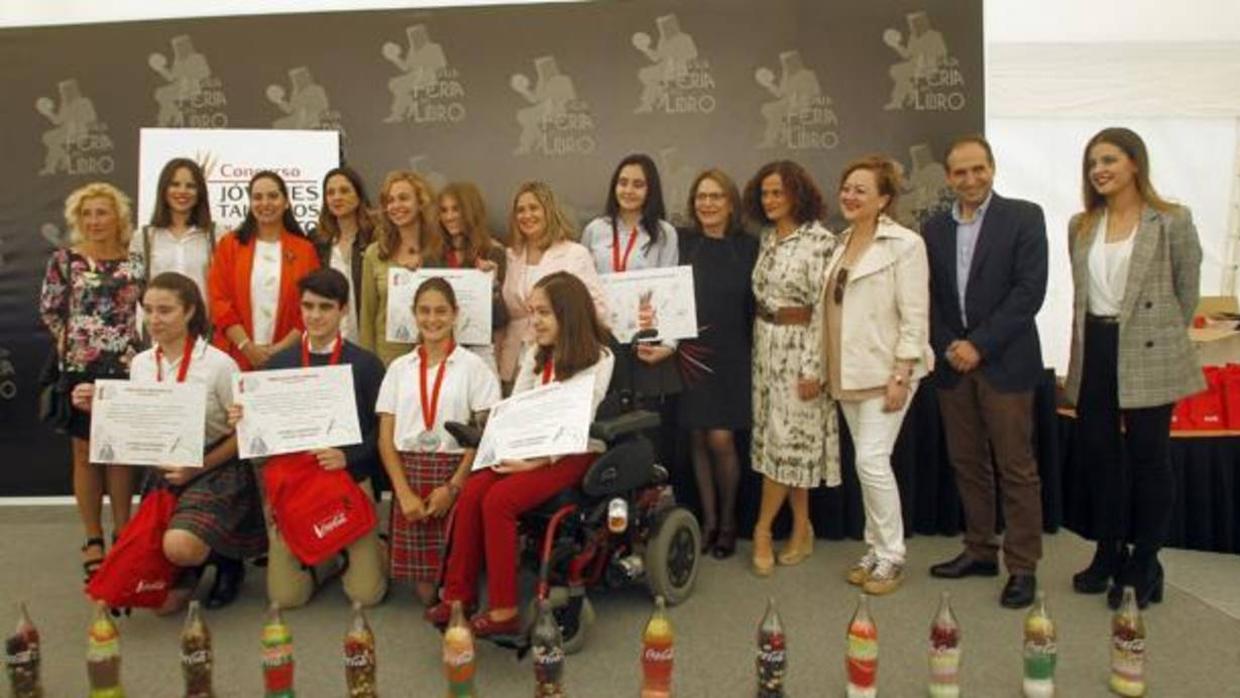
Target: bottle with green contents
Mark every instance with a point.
(1040, 651)
(277, 656)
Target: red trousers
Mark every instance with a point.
(485, 522)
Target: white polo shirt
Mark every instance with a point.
(208, 366)
(469, 386)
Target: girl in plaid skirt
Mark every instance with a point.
(433, 384)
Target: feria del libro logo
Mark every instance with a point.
(678, 79)
(556, 122)
(927, 78)
(305, 104)
(925, 187)
(428, 90)
(190, 96)
(801, 115)
(77, 142)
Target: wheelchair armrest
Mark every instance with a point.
(633, 422)
(467, 435)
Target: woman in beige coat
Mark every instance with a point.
(876, 347)
(1136, 262)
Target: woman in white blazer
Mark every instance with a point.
(876, 347)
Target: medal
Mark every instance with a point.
(429, 439)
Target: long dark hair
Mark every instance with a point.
(328, 230)
(653, 210)
(200, 215)
(581, 339)
(474, 216)
(799, 187)
(189, 296)
(249, 226)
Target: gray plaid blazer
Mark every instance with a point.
(1157, 362)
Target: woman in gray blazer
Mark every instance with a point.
(1135, 266)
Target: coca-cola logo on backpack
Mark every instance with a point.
(135, 572)
(318, 512)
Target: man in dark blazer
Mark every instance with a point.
(987, 282)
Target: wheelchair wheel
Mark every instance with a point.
(671, 558)
(575, 631)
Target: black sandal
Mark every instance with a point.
(91, 565)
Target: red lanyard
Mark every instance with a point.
(182, 370)
(305, 350)
(453, 259)
(618, 264)
(431, 406)
(546, 371)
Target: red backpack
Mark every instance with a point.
(135, 572)
(318, 512)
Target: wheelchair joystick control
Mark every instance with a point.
(617, 515)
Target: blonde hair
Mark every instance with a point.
(99, 190)
(430, 242)
(474, 214)
(557, 225)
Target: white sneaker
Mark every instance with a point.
(860, 571)
(884, 578)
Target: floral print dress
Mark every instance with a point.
(102, 297)
(795, 442)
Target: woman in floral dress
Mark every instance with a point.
(795, 436)
(89, 304)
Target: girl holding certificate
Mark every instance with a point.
(568, 339)
(426, 387)
(253, 278)
(406, 239)
(218, 516)
(469, 244)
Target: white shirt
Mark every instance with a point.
(208, 366)
(468, 386)
(342, 263)
(264, 290)
(1108, 270)
(188, 254)
(598, 238)
(528, 377)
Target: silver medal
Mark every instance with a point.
(428, 441)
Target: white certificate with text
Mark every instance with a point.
(473, 297)
(148, 423)
(550, 420)
(665, 295)
(295, 409)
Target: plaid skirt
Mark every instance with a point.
(222, 506)
(416, 552)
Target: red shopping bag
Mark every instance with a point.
(1231, 395)
(135, 572)
(1206, 409)
(318, 512)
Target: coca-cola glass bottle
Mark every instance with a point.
(103, 655)
(1040, 651)
(772, 660)
(21, 657)
(547, 647)
(862, 657)
(1128, 648)
(458, 655)
(359, 657)
(196, 656)
(944, 653)
(658, 653)
(277, 644)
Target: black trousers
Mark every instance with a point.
(1127, 450)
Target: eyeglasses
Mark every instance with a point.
(709, 196)
(841, 280)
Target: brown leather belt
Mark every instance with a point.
(790, 315)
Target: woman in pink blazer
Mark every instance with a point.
(540, 242)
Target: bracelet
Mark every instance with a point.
(243, 344)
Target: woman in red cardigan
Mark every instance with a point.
(253, 277)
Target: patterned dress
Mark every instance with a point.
(795, 441)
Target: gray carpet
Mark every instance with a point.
(1194, 647)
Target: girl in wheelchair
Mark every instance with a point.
(568, 338)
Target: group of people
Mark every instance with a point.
(797, 325)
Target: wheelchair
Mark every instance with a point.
(620, 526)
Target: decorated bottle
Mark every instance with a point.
(658, 653)
(21, 657)
(359, 657)
(277, 644)
(772, 653)
(1128, 648)
(458, 655)
(196, 656)
(862, 659)
(547, 646)
(944, 652)
(1040, 651)
(103, 656)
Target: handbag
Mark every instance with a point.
(136, 573)
(318, 512)
(55, 408)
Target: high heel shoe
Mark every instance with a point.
(763, 564)
(1147, 580)
(1109, 559)
(795, 552)
(91, 565)
(725, 544)
(709, 537)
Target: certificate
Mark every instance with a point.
(296, 409)
(551, 420)
(662, 296)
(148, 423)
(473, 296)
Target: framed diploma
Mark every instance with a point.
(551, 420)
(148, 423)
(473, 295)
(658, 298)
(296, 409)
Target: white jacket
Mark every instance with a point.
(886, 307)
